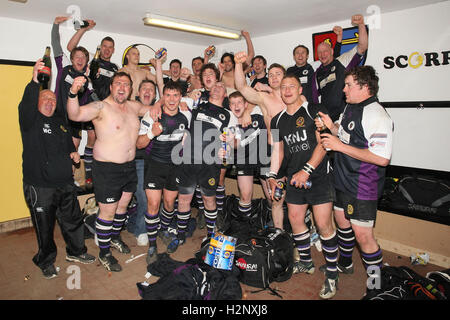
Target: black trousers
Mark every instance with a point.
(48, 205)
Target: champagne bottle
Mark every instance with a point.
(95, 65)
(323, 129)
(44, 74)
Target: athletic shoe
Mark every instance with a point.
(85, 258)
(120, 245)
(110, 263)
(50, 272)
(142, 240)
(342, 269)
(152, 255)
(329, 288)
(303, 267)
(165, 236)
(173, 246)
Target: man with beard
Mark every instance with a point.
(116, 124)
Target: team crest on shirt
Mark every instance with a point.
(255, 124)
(333, 68)
(222, 116)
(350, 209)
(300, 122)
(351, 125)
(212, 181)
(305, 72)
(182, 126)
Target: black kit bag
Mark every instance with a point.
(190, 280)
(231, 223)
(426, 197)
(265, 257)
(403, 283)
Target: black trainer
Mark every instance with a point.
(50, 272)
(110, 263)
(120, 245)
(85, 258)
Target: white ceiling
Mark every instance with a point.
(259, 17)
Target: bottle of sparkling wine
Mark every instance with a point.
(44, 74)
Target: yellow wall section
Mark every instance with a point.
(13, 81)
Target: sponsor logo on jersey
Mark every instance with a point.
(350, 209)
(46, 129)
(351, 125)
(300, 122)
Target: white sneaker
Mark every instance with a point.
(142, 240)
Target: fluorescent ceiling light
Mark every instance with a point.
(172, 23)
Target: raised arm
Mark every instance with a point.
(28, 107)
(250, 48)
(363, 40)
(85, 113)
(337, 47)
(250, 94)
(56, 39)
(159, 73)
(73, 42)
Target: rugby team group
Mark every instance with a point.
(168, 136)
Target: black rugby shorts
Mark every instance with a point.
(111, 179)
(158, 176)
(205, 175)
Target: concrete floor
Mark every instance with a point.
(20, 279)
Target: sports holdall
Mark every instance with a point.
(265, 257)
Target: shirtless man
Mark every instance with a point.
(226, 65)
(270, 104)
(194, 79)
(116, 124)
(136, 73)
